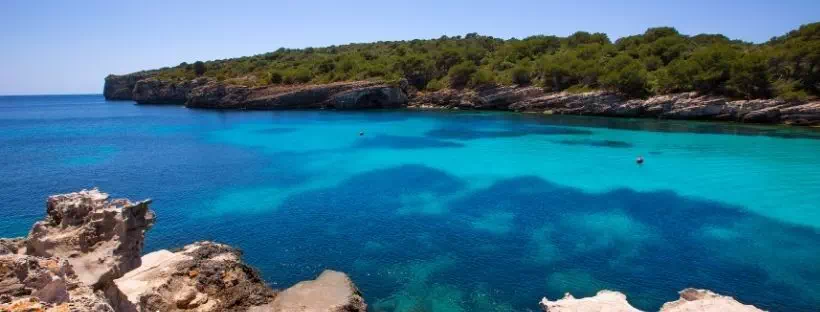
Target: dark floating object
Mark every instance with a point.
(361, 133)
(639, 160)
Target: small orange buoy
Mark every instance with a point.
(639, 160)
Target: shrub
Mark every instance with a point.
(482, 78)
(276, 77)
(435, 85)
(199, 68)
(459, 75)
(521, 75)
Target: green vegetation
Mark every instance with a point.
(661, 60)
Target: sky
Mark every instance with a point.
(68, 47)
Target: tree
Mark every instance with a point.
(749, 76)
(459, 75)
(199, 68)
(625, 74)
(521, 75)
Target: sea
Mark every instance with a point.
(444, 210)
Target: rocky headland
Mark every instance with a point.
(209, 93)
(86, 255)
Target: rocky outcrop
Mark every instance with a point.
(29, 283)
(203, 276)
(605, 300)
(699, 300)
(155, 91)
(101, 238)
(12, 245)
(346, 95)
(120, 87)
(691, 300)
(85, 256)
(673, 106)
(332, 291)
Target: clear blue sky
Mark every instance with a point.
(70, 46)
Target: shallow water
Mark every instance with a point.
(445, 211)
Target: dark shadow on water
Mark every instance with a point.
(474, 133)
(596, 143)
(276, 130)
(526, 238)
(403, 142)
(684, 126)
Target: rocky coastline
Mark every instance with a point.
(86, 255)
(208, 93)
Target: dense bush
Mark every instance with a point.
(459, 75)
(199, 68)
(661, 60)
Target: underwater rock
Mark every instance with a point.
(101, 238)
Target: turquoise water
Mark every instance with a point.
(445, 211)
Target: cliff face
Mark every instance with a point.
(206, 93)
(85, 256)
(673, 106)
(345, 95)
(155, 91)
(120, 87)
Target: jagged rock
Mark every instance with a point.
(691, 300)
(101, 239)
(120, 87)
(155, 91)
(699, 300)
(203, 276)
(603, 301)
(29, 283)
(12, 245)
(344, 95)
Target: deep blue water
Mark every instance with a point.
(445, 211)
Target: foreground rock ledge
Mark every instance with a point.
(85, 256)
(691, 300)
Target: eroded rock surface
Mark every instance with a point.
(121, 87)
(101, 238)
(699, 300)
(672, 106)
(332, 291)
(344, 95)
(155, 91)
(691, 300)
(603, 301)
(30, 283)
(203, 276)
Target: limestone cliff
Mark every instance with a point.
(121, 87)
(673, 106)
(208, 93)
